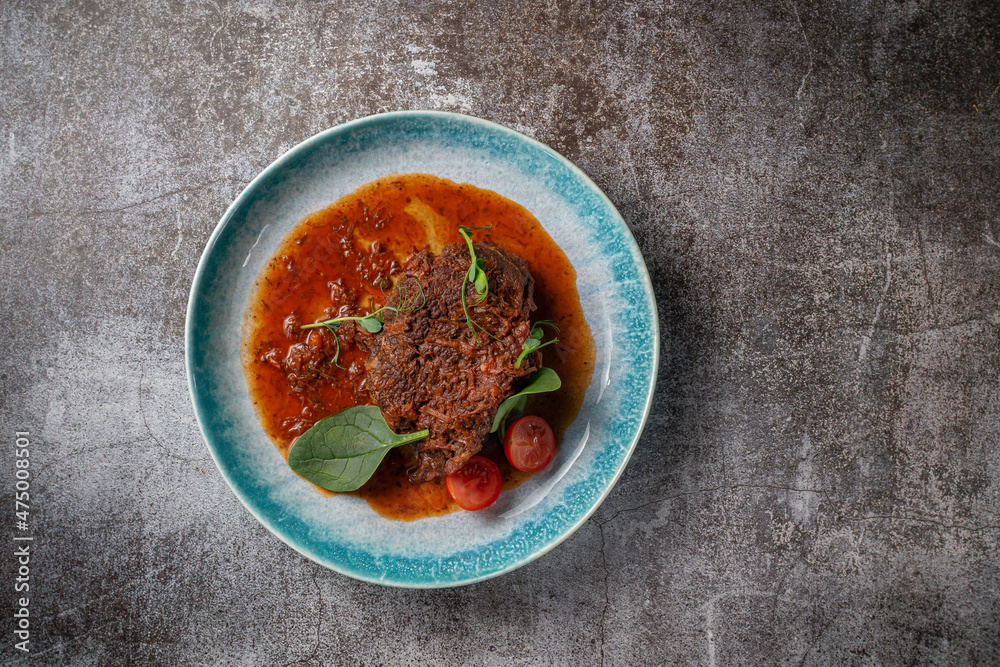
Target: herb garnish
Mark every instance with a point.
(373, 321)
(541, 381)
(534, 340)
(341, 452)
(476, 274)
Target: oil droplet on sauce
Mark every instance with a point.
(344, 256)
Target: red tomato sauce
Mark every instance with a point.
(346, 255)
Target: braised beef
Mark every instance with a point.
(428, 369)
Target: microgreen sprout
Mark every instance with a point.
(534, 340)
(476, 275)
(373, 321)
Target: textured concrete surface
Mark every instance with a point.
(814, 187)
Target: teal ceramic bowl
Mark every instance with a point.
(342, 532)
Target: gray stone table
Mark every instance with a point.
(814, 187)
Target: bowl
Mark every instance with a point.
(343, 533)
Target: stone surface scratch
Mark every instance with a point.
(867, 338)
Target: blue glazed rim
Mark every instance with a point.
(348, 560)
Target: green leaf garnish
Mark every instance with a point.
(371, 324)
(539, 382)
(476, 275)
(534, 340)
(341, 452)
(479, 282)
(333, 326)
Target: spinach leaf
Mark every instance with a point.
(541, 381)
(342, 451)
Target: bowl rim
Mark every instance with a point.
(276, 166)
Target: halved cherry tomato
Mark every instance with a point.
(477, 485)
(530, 444)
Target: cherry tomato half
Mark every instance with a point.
(477, 485)
(529, 444)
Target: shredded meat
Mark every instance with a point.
(428, 369)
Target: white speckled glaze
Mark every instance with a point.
(343, 533)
